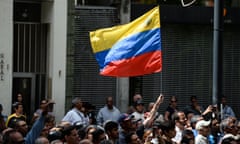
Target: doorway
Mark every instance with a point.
(29, 55)
(25, 84)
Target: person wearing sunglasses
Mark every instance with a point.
(172, 108)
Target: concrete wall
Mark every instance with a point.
(123, 83)
(6, 54)
(56, 15)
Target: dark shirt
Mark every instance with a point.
(2, 123)
(122, 137)
(171, 112)
(191, 109)
(167, 142)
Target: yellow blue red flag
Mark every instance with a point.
(132, 49)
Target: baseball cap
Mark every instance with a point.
(125, 117)
(202, 123)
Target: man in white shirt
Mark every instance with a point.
(75, 115)
(203, 128)
(180, 122)
(139, 107)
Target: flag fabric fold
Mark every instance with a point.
(132, 49)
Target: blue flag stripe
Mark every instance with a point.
(132, 46)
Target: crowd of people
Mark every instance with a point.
(139, 125)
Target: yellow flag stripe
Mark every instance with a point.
(104, 39)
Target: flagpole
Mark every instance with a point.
(161, 77)
(161, 83)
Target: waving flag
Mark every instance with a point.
(132, 49)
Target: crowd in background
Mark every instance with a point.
(141, 124)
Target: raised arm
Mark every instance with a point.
(149, 120)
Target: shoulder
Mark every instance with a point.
(71, 112)
(115, 108)
(198, 137)
(134, 113)
(103, 109)
(169, 108)
(228, 107)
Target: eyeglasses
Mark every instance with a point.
(173, 101)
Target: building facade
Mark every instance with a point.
(33, 39)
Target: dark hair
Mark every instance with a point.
(88, 105)
(8, 137)
(187, 132)
(110, 125)
(96, 134)
(128, 137)
(67, 131)
(138, 102)
(222, 96)
(185, 136)
(49, 118)
(173, 97)
(55, 135)
(193, 97)
(166, 126)
(175, 116)
(228, 140)
(16, 104)
(12, 123)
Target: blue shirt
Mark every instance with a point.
(227, 112)
(105, 114)
(122, 137)
(35, 131)
(74, 116)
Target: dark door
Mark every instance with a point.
(25, 84)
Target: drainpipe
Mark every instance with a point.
(122, 93)
(217, 50)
